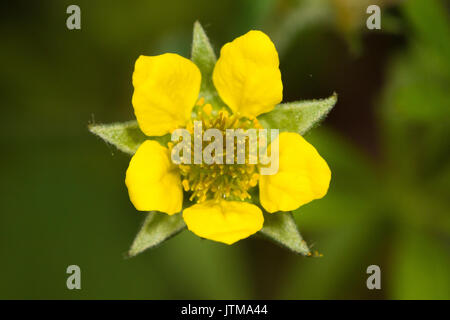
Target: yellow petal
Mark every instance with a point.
(166, 88)
(153, 181)
(224, 221)
(247, 75)
(303, 176)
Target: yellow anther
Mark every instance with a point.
(207, 108)
(200, 102)
(254, 179)
(185, 184)
(224, 113)
(256, 124)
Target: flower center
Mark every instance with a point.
(220, 180)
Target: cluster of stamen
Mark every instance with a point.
(220, 180)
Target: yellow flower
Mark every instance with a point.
(248, 80)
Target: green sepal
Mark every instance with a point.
(281, 228)
(125, 136)
(299, 116)
(157, 228)
(203, 56)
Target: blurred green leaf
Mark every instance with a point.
(301, 16)
(125, 136)
(420, 267)
(430, 21)
(299, 116)
(252, 14)
(157, 227)
(204, 57)
(417, 88)
(416, 100)
(281, 228)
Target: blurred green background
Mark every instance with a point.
(63, 197)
